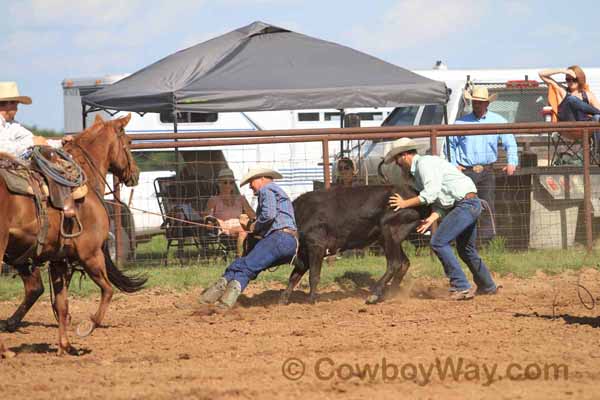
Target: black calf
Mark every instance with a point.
(351, 218)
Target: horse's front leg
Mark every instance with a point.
(95, 266)
(32, 281)
(58, 276)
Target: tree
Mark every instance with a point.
(45, 132)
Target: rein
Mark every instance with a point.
(93, 167)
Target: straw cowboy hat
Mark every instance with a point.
(479, 93)
(225, 174)
(400, 146)
(258, 173)
(10, 92)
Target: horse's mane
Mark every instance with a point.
(90, 134)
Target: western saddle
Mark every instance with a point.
(51, 177)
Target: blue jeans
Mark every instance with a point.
(277, 248)
(461, 225)
(573, 108)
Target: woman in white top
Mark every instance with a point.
(227, 207)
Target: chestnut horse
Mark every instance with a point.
(100, 149)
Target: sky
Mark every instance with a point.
(46, 41)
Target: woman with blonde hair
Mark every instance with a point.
(575, 101)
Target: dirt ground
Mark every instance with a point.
(159, 345)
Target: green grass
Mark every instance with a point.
(361, 271)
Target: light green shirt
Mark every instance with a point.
(439, 183)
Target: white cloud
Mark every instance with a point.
(69, 12)
(29, 41)
(259, 2)
(412, 23)
(567, 34)
(93, 29)
(518, 8)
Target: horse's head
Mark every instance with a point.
(120, 161)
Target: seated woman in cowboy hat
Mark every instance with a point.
(14, 138)
(275, 223)
(452, 196)
(228, 207)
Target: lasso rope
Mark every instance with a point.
(56, 173)
(185, 221)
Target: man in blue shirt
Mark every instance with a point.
(275, 223)
(475, 155)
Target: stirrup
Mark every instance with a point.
(75, 234)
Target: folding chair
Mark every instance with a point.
(568, 150)
(175, 211)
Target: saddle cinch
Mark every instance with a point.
(47, 174)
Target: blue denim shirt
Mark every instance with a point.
(481, 149)
(274, 210)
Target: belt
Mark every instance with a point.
(289, 231)
(477, 168)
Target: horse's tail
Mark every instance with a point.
(127, 284)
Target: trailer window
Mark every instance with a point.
(166, 117)
(370, 116)
(332, 116)
(308, 116)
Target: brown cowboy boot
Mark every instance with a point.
(214, 292)
(232, 292)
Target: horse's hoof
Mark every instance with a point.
(8, 354)
(72, 351)
(68, 350)
(85, 328)
(373, 299)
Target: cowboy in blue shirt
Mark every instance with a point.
(275, 223)
(475, 155)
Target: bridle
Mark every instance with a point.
(122, 138)
(124, 141)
